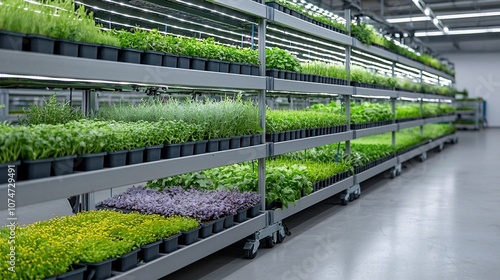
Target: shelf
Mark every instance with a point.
(64, 67)
(169, 263)
(248, 7)
(411, 154)
(467, 126)
(310, 142)
(299, 86)
(375, 92)
(51, 188)
(440, 119)
(374, 50)
(374, 130)
(438, 72)
(310, 200)
(358, 178)
(468, 112)
(309, 28)
(403, 125)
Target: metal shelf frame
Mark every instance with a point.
(359, 133)
(310, 142)
(365, 175)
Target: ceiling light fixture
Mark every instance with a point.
(458, 32)
(427, 11)
(446, 29)
(445, 17)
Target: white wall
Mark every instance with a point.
(479, 73)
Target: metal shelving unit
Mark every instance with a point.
(475, 115)
(57, 69)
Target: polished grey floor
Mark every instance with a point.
(439, 220)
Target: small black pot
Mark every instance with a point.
(235, 68)
(109, 53)
(63, 165)
(116, 159)
(206, 229)
(241, 216)
(90, 162)
(198, 63)
(98, 271)
(281, 74)
(135, 156)
(170, 244)
(229, 221)
(152, 153)
(169, 60)
(86, 50)
(235, 142)
(218, 225)
(246, 69)
(213, 145)
(281, 136)
(303, 133)
(4, 171)
(189, 237)
(75, 274)
(253, 211)
(246, 141)
(200, 147)
(288, 135)
(224, 67)
(224, 144)
(183, 61)
(213, 65)
(255, 140)
(130, 56)
(255, 70)
(150, 251)
(272, 73)
(11, 40)
(127, 261)
(67, 48)
(36, 169)
(152, 58)
(171, 151)
(41, 44)
(187, 149)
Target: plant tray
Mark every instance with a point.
(150, 251)
(206, 229)
(189, 237)
(98, 271)
(75, 274)
(170, 244)
(127, 261)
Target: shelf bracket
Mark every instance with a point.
(270, 13)
(270, 83)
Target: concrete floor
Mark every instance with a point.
(439, 220)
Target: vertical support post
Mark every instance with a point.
(253, 35)
(422, 114)
(89, 104)
(347, 98)
(4, 100)
(262, 110)
(393, 108)
(382, 8)
(291, 103)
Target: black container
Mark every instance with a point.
(253, 211)
(311, 132)
(150, 251)
(213, 145)
(90, 162)
(130, 56)
(170, 244)
(11, 40)
(187, 149)
(281, 136)
(229, 221)
(281, 74)
(255, 140)
(189, 237)
(75, 274)
(213, 65)
(4, 171)
(206, 229)
(234, 68)
(67, 48)
(152, 153)
(63, 165)
(218, 225)
(198, 63)
(41, 44)
(255, 70)
(288, 135)
(241, 215)
(116, 159)
(127, 261)
(152, 58)
(246, 141)
(224, 67)
(183, 62)
(98, 271)
(303, 133)
(169, 60)
(224, 144)
(87, 50)
(235, 142)
(288, 75)
(109, 53)
(36, 169)
(273, 5)
(246, 69)
(171, 151)
(272, 73)
(135, 156)
(200, 147)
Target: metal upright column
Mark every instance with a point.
(262, 110)
(393, 106)
(347, 98)
(4, 100)
(89, 105)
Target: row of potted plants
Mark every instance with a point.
(216, 209)
(89, 245)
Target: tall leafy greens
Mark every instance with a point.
(51, 112)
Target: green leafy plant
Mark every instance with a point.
(282, 60)
(51, 112)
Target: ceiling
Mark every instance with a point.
(448, 43)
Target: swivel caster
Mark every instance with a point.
(345, 198)
(393, 173)
(282, 233)
(398, 172)
(250, 254)
(250, 249)
(422, 157)
(357, 194)
(270, 242)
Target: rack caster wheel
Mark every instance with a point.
(357, 195)
(393, 173)
(398, 172)
(344, 199)
(422, 157)
(270, 242)
(250, 254)
(279, 238)
(282, 233)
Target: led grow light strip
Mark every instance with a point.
(305, 45)
(210, 10)
(372, 56)
(288, 33)
(371, 96)
(408, 68)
